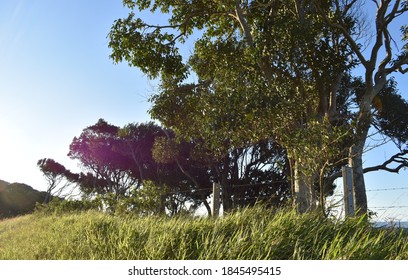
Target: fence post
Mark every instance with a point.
(215, 205)
(348, 191)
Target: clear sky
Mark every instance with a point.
(56, 78)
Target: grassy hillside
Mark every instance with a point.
(18, 199)
(248, 234)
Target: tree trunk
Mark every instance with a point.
(226, 188)
(356, 157)
(304, 196)
(207, 206)
(226, 196)
(359, 190)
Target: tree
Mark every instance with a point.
(377, 70)
(137, 143)
(117, 162)
(265, 71)
(391, 120)
(57, 176)
(258, 172)
(391, 117)
(187, 171)
(98, 149)
(144, 144)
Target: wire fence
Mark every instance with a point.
(385, 204)
(389, 204)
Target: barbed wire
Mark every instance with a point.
(236, 198)
(282, 181)
(389, 207)
(233, 186)
(259, 184)
(387, 189)
(391, 211)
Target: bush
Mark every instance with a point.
(146, 201)
(60, 206)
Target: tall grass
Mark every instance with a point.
(254, 233)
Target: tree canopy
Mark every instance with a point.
(147, 169)
(268, 70)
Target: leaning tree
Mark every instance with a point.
(60, 181)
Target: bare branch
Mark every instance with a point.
(388, 53)
(159, 27)
(398, 65)
(388, 39)
(376, 3)
(348, 6)
(243, 23)
(400, 158)
(381, 29)
(396, 12)
(403, 71)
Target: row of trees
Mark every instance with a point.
(278, 72)
(266, 104)
(145, 164)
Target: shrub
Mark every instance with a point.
(60, 206)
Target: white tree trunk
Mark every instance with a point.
(305, 197)
(356, 157)
(359, 190)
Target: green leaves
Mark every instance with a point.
(245, 92)
(392, 118)
(145, 47)
(258, 70)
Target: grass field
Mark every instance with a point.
(255, 233)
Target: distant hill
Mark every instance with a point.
(18, 199)
(3, 184)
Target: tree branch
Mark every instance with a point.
(353, 44)
(403, 71)
(398, 65)
(243, 23)
(400, 158)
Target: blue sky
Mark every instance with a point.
(56, 78)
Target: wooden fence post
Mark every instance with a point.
(215, 205)
(348, 191)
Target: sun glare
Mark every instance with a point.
(11, 149)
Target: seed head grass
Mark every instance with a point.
(253, 234)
